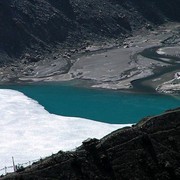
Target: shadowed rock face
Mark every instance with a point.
(41, 25)
(148, 150)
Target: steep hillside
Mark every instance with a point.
(149, 150)
(41, 26)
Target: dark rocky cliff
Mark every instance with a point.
(39, 26)
(149, 150)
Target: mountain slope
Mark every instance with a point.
(148, 150)
(39, 26)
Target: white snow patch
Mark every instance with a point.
(29, 132)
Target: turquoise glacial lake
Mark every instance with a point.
(100, 105)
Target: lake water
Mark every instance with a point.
(29, 132)
(100, 105)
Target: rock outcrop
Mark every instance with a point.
(148, 150)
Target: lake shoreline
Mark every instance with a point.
(122, 68)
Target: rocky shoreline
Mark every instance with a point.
(121, 67)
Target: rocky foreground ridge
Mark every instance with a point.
(31, 29)
(149, 150)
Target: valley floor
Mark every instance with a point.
(143, 62)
